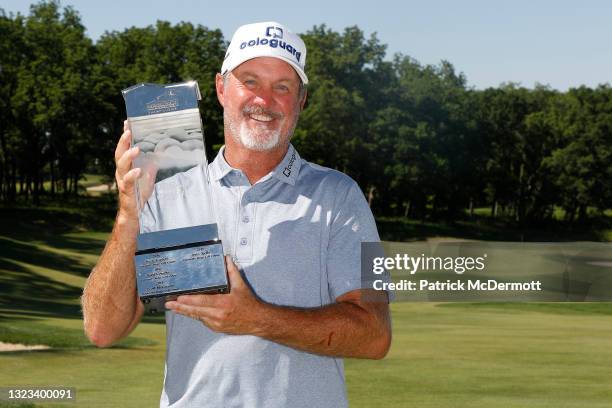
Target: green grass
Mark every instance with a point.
(87, 180)
(558, 212)
(488, 229)
(443, 355)
(90, 180)
(583, 308)
(129, 376)
(32, 332)
(463, 356)
(45, 257)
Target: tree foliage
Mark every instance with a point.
(419, 141)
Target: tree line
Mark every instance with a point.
(417, 138)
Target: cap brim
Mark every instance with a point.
(295, 66)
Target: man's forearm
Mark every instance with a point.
(343, 329)
(111, 308)
(357, 325)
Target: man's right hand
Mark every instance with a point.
(126, 176)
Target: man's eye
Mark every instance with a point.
(250, 82)
(282, 88)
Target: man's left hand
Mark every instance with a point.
(234, 313)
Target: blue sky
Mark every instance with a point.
(560, 43)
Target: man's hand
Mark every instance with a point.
(126, 176)
(355, 326)
(237, 312)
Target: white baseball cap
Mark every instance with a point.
(268, 39)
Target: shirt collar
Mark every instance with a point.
(287, 170)
(219, 168)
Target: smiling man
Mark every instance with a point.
(293, 230)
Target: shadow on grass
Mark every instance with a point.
(49, 226)
(57, 217)
(481, 228)
(83, 245)
(28, 292)
(11, 251)
(23, 233)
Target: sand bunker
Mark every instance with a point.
(21, 347)
(102, 188)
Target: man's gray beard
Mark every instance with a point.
(244, 135)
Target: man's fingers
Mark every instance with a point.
(149, 172)
(187, 310)
(230, 262)
(123, 144)
(130, 177)
(126, 126)
(195, 312)
(233, 273)
(195, 300)
(125, 161)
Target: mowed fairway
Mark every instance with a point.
(499, 356)
(443, 355)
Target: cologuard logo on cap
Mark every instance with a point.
(269, 39)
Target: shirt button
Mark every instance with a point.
(246, 219)
(243, 241)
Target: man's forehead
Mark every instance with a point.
(276, 68)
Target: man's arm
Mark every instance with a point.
(351, 327)
(111, 307)
(354, 326)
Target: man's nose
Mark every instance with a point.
(264, 97)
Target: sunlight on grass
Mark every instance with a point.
(468, 355)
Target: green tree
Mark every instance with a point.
(431, 140)
(11, 58)
(581, 162)
(343, 70)
(52, 96)
(163, 53)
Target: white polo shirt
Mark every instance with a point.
(295, 235)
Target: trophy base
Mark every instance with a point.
(173, 266)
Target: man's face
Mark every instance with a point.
(261, 103)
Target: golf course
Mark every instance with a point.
(477, 136)
(443, 354)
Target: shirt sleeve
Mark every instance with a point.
(352, 223)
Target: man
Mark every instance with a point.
(294, 231)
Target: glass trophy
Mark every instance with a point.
(178, 246)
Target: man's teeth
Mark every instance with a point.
(261, 118)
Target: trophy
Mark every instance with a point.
(178, 248)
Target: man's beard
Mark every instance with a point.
(259, 138)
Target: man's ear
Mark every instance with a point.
(220, 89)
